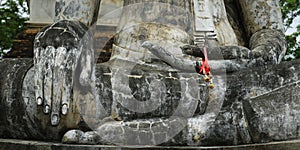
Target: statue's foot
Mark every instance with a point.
(89, 137)
(80, 137)
(154, 131)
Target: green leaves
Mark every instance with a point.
(290, 10)
(11, 21)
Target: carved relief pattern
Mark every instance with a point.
(204, 21)
(201, 5)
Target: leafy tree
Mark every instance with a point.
(290, 10)
(11, 21)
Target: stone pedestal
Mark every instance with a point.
(261, 105)
(38, 145)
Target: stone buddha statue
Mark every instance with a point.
(148, 92)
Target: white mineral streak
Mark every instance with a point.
(58, 72)
(38, 75)
(134, 76)
(48, 59)
(122, 92)
(86, 72)
(67, 76)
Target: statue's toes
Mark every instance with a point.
(73, 136)
(90, 137)
(80, 137)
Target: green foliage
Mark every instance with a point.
(11, 21)
(290, 10)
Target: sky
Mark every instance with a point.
(293, 29)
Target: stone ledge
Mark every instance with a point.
(38, 145)
(274, 115)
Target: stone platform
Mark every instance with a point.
(13, 144)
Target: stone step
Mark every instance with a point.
(38, 145)
(274, 115)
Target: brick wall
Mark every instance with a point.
(23, 43)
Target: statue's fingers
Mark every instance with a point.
(179, 63)
(185, 47)
(68, 81)
(48, 77)
(58, 72)
(38, 75)
(235, 52)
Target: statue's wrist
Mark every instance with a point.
(268, 43)
(268, 38)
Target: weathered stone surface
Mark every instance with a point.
(258, 15)
(61, 49)
(232, 123)
(23, 42)
(80, 137)
(141, 131)
(274, 116)
(72, 136)
(14, 123)
(175, 100)
(268, 44)
(134, 75)
(38, 145)
(44, 12)
(235, 124)
(143, 92)
(85, 11)
(110, 12)
(21, 118)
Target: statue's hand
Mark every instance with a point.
(231, 61)
(53, 80)
(235, 52)
(56, 54)
(179, 63)
(232, 58)
(226, 52)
